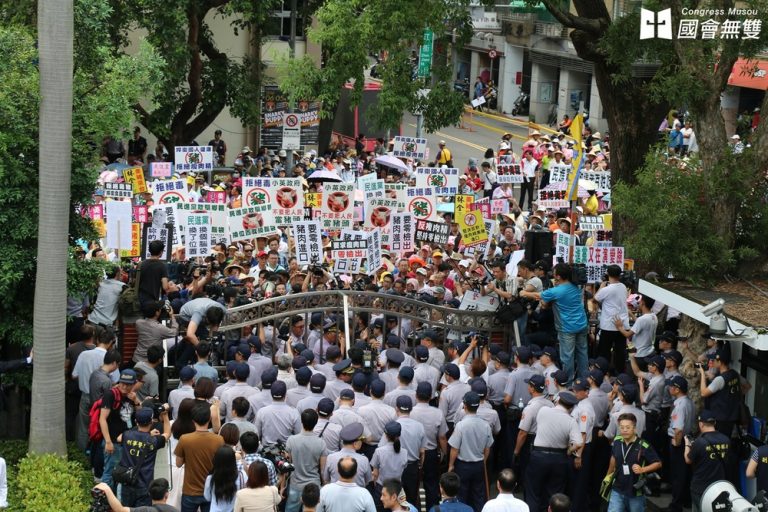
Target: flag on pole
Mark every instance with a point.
(577, 128)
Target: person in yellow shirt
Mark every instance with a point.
(591, 203)
(444, 155)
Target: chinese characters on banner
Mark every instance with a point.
(96, 211)
(347, 266)
(421, 202)
(483, 206)
(509, 173)
(193, 158)
(591, 222)
(118, 190)
(198, 235)
(484, 247)
(472, 228)
(402, 232)
(160, 169)
(135, 176)
(444, 182)
(135, 250)
(337, 210)
(169, 211)
(378, 214)
(251, 222)
(461, 204)
(284, 194)
(410, 147)
(309, 250)
(152, 233)
(374, 251)
(219, 231)
(559, 172)
(553, 199)
(141, 214)
(349, 249)
(170, 191)
(397, 191)
(601, 178)
(432, 232)
(373, 189)
(499, 206)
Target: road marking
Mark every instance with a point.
(516, 122)
(455, 139)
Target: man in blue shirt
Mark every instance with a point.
(570, 319)
(449, 489)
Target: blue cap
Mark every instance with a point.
(551, 352)
(406, 373)
(535, 350)
(231, 365)
(421, 352)
(325, 407)
(144, 416)
(602, 363)
(378, 388)
(597, 376)
(242, 371)
(404, 403)
(255, 342)
(657, 361)
(394, 341)
(185, 374)
(244, 350)
(623, 379)
(347, 394)
(630, 392)
(393, 428)
(707, 416)
(459, 346)
(352, 432)
(675, 355)
(472, 399)
(308, 355)
(503, 358)
(298, 362)
(567, 398)
(394, 356)
(316, 318)
(278, 389)
(452, 370)
(524, 354)
(580, 385)
(303, 375)
(561, 377)
(537, 381)
(268, 377)
(359, 381)
(429, 334)
(299, 348)
(343, 366)
(424, 390)
(479, 386)
(679, 382)
(317, 383)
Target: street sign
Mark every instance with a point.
(492, 54)
(291, 131)
(425, 54)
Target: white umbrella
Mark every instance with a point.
(587, 184)
(391, 161)
(323, 175)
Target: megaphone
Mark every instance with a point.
(721, 496)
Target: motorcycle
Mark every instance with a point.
(462, 86)
(521, 104)
(490, 97)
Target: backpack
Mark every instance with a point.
(94, 428)
(128, 302)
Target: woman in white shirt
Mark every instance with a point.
(224, 481)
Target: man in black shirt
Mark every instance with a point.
(219, 147)
(114, 419)
(137, 146)
(140, 448)
(158, 491)
(153, 280)
(708, 457)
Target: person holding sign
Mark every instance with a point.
(529, 165)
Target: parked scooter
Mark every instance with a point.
(521, 105)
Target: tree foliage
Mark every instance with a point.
(105, 87)
(351, 30)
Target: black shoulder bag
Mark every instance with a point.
(509, 310)
(128, 475)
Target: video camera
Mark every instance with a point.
(642, 483)
(99, 501)
(276, 454)
(482, 339)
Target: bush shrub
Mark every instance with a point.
(48, 483)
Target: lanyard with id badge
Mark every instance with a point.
(624, 454)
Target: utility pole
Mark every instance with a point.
(292, 53)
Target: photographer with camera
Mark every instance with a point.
(316, 276)
(105, 500)
(631, 459)
(140, 445)
(202, 316)
(152, 330)
(612, 297)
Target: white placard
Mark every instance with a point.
(402, 231)
(193, 158)
(443, 181)
(198, 235)
(338, 207)
(119, 220)
(218, 213)
(374, 251)
(251, 222)
(309, 244)
(409, 147)
(169, 191)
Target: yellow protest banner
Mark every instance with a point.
(607, 221)
(472, 228)
(135, 176)
(461, 203)
(577, 128)
(135, 250)
(101, 227)
(313, 199)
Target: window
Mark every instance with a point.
(279, 24)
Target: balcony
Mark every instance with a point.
(546, 29)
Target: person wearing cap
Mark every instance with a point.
(452, 394)
(722, 396)
(140, 446)
(631, 457)
(308, 454)
(436, 441)
(389, 460)
(301, 391)
(395, 341)
(682, 423)
(240, 389)
(325, 430)
(436, 359)
(329, 339)
(157, 492)
(185, 389)
(375, 416)
(525, 427)
(316, 389)
(628, 395)
(351, 439)
(275, 423)
(406, 386)
(423, 371)
(484, 411)
(395, 358)
(231, 380)
(497, 381)
(344, 372)
(560, 380)
(359, 385)
(345, 413)
(263, 398)
(612, 297)
(580, 481)
(470, 444)
(455, 351)
(547, 359)
(332, 356)
(444, 156)
(570, 319)
(708, 455)
(413, 439)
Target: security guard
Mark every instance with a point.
(579, 481)
(359, 385)
(651, 398)
(414, 442)
(526, 433)
(758, 468)
(707, 455)
(436, 359)
(345, 414)
(516, 397)
(344, 371)
(682, 422)
(484, 411)
(557, 435)
(471, 443)
(452, 394)
(352, 440)
(423, 371)
(277, 422)
(547, 360)
(376, 415)
(316, 388)
(628, 395)
(404, 387)
(395, 358)
(327, 431)
(436, 445)
(301, 391)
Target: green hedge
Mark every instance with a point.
(46, 483)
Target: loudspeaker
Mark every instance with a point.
(538, 245)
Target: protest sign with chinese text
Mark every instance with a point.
(444, 181)
(118, 190)
(499, 206)
(402, 231)
(251, 222)
(373, 189)
(160, 169)
(135, 176)
(591, 222)
(141, 213)
(169, 191)
(309, 244)
(193, 158)
(421, 202)
(219, 231)
(349, 249)
(338, 206)
(553, 199)
(378, 214)
(215, 196)
(483, 206)
(461, 204)
(152, 233)
(197, 235)
(409, 147)
(509, 173)
(397, 191)
(472, 228)
(374, 251)
(432, 232)
(135, 247)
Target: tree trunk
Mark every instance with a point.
(55, 36)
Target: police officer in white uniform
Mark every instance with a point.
(277, 422)
(436, 446)
(264, 397)
(395, 358)
(579, 482)
(423, 371)
(345, 414)
(628, 394)
(484, 411)
(414, 442)
(344, 371)
(301, 391)
(316, 389)
(376, 415)
(327, 431)
(526, 433)
(452, 395)
(405, 387)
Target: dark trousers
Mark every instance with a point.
(137, 496)
(680, 478)
(503, 450)
(526, 186)
(546, 474)
(411, 482)
(472, 489)
(579, 482)
(732, 461)
(601, 455)
(613, 346)
(431, 478)
(520, 464)
(652, 432)
(72, 410)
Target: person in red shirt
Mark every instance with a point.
(473, 180)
